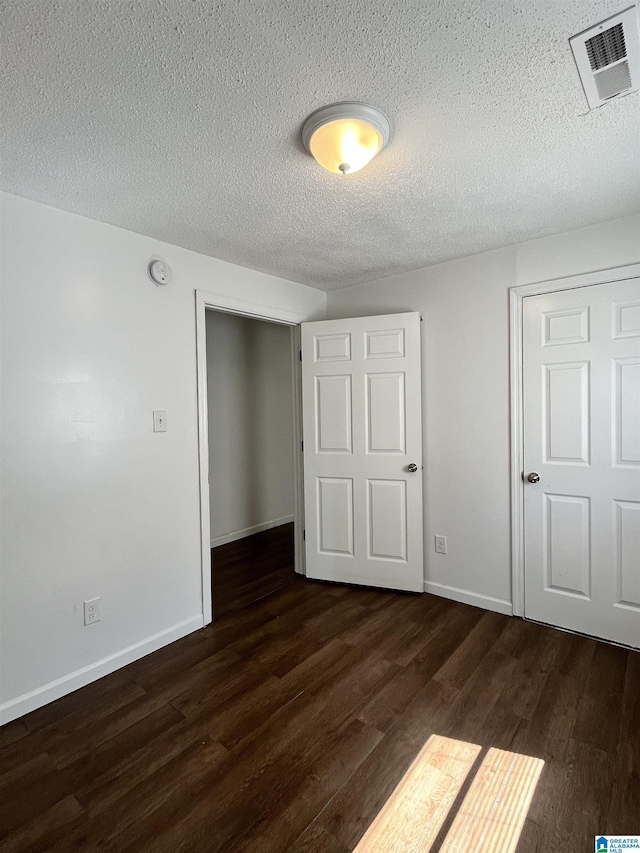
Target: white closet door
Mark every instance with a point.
(361, 392)
(582, 438)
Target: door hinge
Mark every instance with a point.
(302, 446)
(300, 355)
(304, 535)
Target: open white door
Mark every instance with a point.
(361, 402)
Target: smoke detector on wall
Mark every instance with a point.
(608, 57)
(159, 271)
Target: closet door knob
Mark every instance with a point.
(533, 477)
(412, 467)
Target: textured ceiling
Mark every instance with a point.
(180, 119)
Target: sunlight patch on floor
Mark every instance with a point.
(490, 818)
(493, 813)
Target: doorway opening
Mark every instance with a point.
(205, 302)
(250, 392)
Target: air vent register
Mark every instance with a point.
(608, 58)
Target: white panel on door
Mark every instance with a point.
(333, 414)
(567, 413)
(332, 347)
(626, 319)
(568, 544)
(386, 412)
(570, 326)
(335, 516)
(627, 535)
(626, 411)
(384, 343)
(387, 519)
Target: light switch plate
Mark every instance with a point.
(159, 420)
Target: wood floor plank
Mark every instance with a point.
(553, 719)
(503, 729)
(460, 665)
(575, 656)
(31, 795)
(91, 739)
(12, 732)
(583, 798)
(625, 793)
(102, 791)
(315, 839)
(445, 642)
(120, 824)
(478, 696)
(70, 728)
(630, 716)
(195, 664)
(340, 618)
(202, 701)
(387, 705)
(97, 761)
(605, 680)
(83, 698)
(624, 802)
(46, 829)
(333, 763)
(435, 619)
(535, 660)
(531, 838)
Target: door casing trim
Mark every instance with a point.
(516, 296)
(229, 305)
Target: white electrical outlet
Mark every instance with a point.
(441, 544)
(92, 611)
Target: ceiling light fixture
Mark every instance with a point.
(344, 137)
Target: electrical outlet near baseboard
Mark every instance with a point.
(92, 611)
(441, 544)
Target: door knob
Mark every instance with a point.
(533, 477)
(412, 467)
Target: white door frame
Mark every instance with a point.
(229, 305)
(516, 295)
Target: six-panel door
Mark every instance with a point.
(582, 436)
(362, 430)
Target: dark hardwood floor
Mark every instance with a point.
(286, 725)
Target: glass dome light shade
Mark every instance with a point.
(344, 137)
(349, 143)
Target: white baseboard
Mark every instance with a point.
(81, 677)
(487, 602)
(249, 531)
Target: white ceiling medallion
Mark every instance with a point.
(159, 272)
(344, 137)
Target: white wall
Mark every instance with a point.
(466, 390)
(93, 502)
(250, 398)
